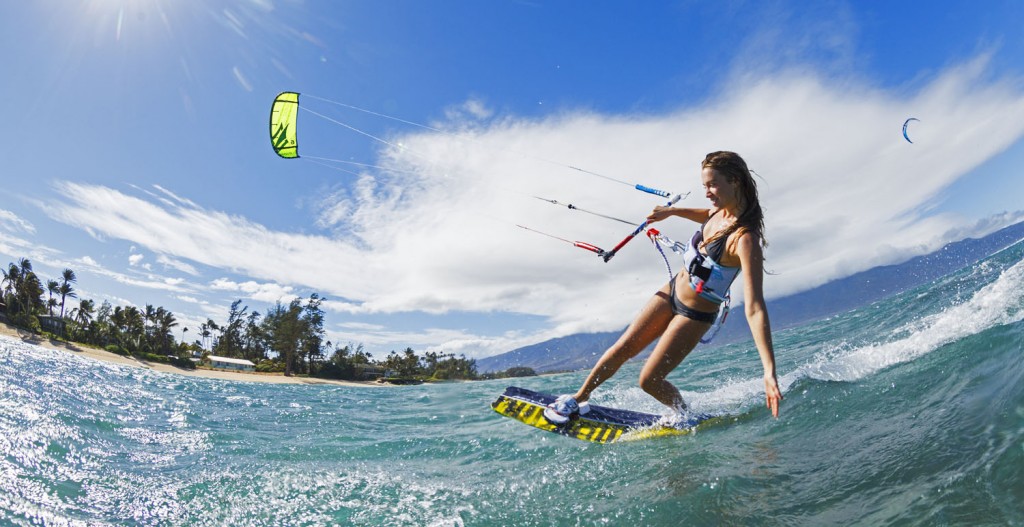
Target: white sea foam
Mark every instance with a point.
(998, 303)
(995, 304)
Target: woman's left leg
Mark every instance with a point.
(678, 340)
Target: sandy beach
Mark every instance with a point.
(11, 332)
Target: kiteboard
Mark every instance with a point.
(600, 425)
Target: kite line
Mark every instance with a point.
(283, 135)
(289, 118)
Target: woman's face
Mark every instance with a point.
(721, 192)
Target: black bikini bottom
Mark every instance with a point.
(690, 313)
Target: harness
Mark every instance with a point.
(708, 278)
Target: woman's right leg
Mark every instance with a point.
(648, 326)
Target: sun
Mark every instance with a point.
(123, 19)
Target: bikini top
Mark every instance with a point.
(710, 279)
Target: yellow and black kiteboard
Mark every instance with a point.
(600, 424)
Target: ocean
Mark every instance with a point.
(908, 411)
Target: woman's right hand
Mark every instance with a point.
(659, 213)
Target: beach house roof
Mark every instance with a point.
(229, 360)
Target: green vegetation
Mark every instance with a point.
(145, 333)
(515, 371)
(288, 338)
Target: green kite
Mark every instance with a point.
(282, 125)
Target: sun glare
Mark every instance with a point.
(121, 19)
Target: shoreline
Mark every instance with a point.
(8, 331)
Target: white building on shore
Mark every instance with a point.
(227, 363)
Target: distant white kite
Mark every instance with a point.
(905, 124)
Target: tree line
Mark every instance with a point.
(288, 337)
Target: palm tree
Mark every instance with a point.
(11, 278)
(117, 325)
(128, 327)
(86, 309)
(149, 313)
(204, 331)
(148, 324)
(67, 278)
(163, 321)
(82, 316)
(104, 331)
(207, 331)
(136, 327)
(52, 287)
(28, 289)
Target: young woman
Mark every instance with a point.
(728, 244)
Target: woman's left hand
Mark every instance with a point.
(772, 394)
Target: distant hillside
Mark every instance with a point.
(564, 353)
(582, 350)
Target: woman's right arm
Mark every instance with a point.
(661, 212)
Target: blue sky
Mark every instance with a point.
(136, 149)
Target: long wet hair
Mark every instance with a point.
(734, 168)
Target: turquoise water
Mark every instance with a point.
(906, 412)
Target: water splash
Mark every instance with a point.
(998, 303)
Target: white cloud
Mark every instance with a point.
(148, 281)
(472, 109)
(178, 265)
(241, 78)
(14, 246)
(87, 264)
(265, 292)
(340, 307)
(177, 198)
(134, 259)
(361, 326)
(46, 261)
(12, 223)
(842, 190)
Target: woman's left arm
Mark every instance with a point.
(748, 249)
